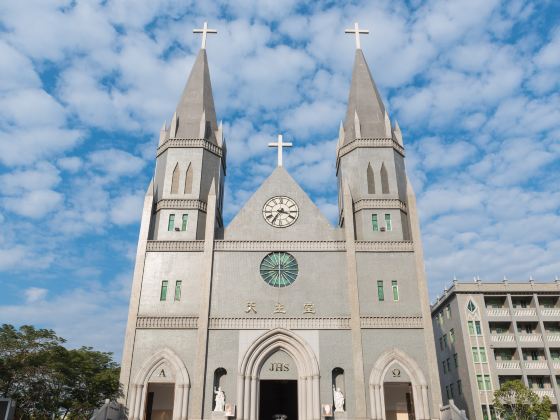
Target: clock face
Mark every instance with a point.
(280, 211)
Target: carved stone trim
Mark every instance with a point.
(194, 143)
(177, 203)
(175, 246)
(311, 323)
(391, 322)
(378, 246)
(226, 245)
(379, 203)
(168, 322)
(378, 142)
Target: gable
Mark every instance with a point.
(250, 223)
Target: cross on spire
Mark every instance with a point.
(280, 144)
(357, 31)
(204, 31)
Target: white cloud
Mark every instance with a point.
(34, 204)
(35, 294)
(126, 209)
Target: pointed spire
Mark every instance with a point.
(174, 125)
(364, 105)
(163, 134)
(340, 137)
(397, 134)
(220, 134)
(196, 106)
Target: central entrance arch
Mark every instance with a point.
(248, 386)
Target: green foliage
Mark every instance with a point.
(514, 401)
(47, 379)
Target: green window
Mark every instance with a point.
(447, 391)
(482, 352)
(456, 360)
(444, 367)
(388, 223)
(184, 222)
(445, 339)
(178, 290)
(471, 306)
(471, 327)
(441, 343)
(448, 312)
(475, 355)
(451, 390)
(451, 335)
(459, 387)
(487, 382)
(395, 287)
(448, 364)
(478, 328)
(380, 293)
(480, 382)
(163, 293)
(171, 223)
(374, 222)
(279, 269)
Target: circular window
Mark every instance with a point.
(279, 269)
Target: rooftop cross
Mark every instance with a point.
(204, 31)
(357, 31)
(280, 144)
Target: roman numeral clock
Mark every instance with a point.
(280, 212)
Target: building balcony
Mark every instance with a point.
(556, 364)
(524, 312)
(550, 312)
(530, 338)
(508, 364)
(497, 312)
(544, 392)
(503, 338)
(535, 364)
(553, 337)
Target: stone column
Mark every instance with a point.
(316, 398)
(132, 401)
(240, 389)
(138, 403)
(254, 399)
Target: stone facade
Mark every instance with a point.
(494, 332)
(356, 317)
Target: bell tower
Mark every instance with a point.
(191, 155)
(370, 161)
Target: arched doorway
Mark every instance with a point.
(279, 346)
(160, 390)
(398, 388)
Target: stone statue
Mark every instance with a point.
(220, 399)
(338, 400)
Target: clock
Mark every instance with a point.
(280, 212)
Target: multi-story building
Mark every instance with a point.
(489, 333)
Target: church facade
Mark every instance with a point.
(280, 314)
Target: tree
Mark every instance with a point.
(46, 379)
(514, 401)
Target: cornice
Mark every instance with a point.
(388, 246)
(175, 246)
(228, 245)
(293, 323)
(178, 203)
(375, 143)
(191, 143)
(379, 203)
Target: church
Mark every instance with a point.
(280, 315)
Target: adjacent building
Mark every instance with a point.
(489, 333)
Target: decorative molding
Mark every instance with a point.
(228, 245)
(266, 246)
(178, 203)
(192, 143)
(377, 142)
(391, 322)
(379, 203)
(168, 322)
(175, 246)
(293, 323)
(389, 246)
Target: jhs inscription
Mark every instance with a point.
(279, 367)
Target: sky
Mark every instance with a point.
(86, 85)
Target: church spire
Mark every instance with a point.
(195, 117)
(366, 114)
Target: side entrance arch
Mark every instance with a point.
(398, 388)
(267, 345)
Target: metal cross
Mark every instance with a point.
(280, 144)
(357, 31)
(204, 31)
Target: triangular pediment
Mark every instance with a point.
(250, 223)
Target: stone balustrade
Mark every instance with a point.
(497, 312)
(508, 364)
(535, 364)
(503, 338)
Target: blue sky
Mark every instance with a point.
(86, 85)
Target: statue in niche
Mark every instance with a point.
(338, 400)
(220, 400)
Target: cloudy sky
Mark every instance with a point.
(85, 86)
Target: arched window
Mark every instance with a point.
(384, 180)
(338, 381)
(370, 180)
(188, 180)
(218, 382)
(175, 180)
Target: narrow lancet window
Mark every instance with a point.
(370, 180)
(175, 180)
(188, 180)
(384, 180)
